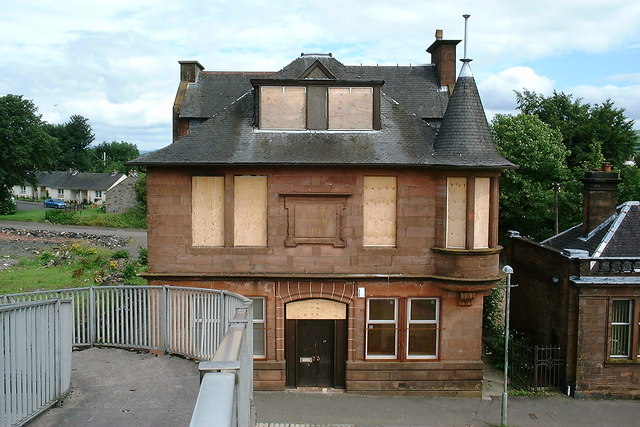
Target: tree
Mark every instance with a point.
(74, 137)
(109, 156)
(527, 193)
(615, 133)
(592, 133)
(25, 146)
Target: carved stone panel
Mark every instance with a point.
(315, 219)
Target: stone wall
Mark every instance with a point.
(122, 196)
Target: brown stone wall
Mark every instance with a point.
(456, 371)
(539, 303)
(419, 221)
(596, 374)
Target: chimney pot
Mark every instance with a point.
(439, 34)
(606, 167)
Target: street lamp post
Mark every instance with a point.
(508, 270)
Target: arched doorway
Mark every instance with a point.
(316, 343)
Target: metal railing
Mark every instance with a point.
(226, 388)
(35, 358)
(204, 324)
(185, 321)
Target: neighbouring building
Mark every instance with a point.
(356, 205)
(123, 195)
(580, 290)
(71, 186)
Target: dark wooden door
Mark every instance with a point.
(315, 353)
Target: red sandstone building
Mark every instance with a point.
(580, 290)
(357, 206)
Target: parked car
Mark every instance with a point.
(54, 203)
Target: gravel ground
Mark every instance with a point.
(18, 243)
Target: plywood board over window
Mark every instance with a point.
(283, 107)
(351, 108)
(456, 212)
(379, 211)
(250, 211)
(207, 211)
(481, 211)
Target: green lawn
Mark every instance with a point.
(33, 215)
(133, 218)
(68, 266)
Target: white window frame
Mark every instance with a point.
(23, 188)
(262, 325)
(393, 322)
(628, 323)
(61, 193)
(98, 194)
(435, 322)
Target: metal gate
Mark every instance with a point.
(536, 367)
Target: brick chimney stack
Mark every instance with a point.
(443, 56)
(189, 71)
(600, 197)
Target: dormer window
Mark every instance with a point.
(351, 108)
(317, 105)
(283, 107)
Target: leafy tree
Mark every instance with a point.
(74, 136)
(140, 187)
(25, 146)
(615, 133)
(629, 188)
(592, 133)
(573, 119)
(116, 155)
(527, 193)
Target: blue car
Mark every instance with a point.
(54, 203)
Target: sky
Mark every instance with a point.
(116, 62)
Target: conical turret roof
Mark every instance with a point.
(464, 138)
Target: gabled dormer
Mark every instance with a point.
(316, 99)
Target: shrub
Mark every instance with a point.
(143, 255)
(120, 254)
(62, 217)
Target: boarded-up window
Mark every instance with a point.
(456, 212)
(283, 107)
(379, 211)
(207, 211)
(481, 209)
(351, 108)
(250, 211)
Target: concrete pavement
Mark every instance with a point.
(113, 387)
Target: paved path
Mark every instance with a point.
(136, 237)
(113, 387)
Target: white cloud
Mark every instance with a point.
(115, 62)
(497, 90)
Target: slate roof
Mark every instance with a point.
(77, 181)
(618, 236)
(415, 87)
(409, 95)
(229, 138)
(464, 138)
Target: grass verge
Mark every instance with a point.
(71, 266)
(93, 217)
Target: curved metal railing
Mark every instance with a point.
(187, 321)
